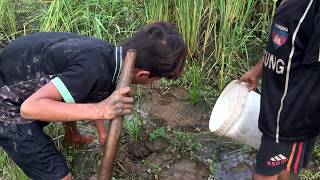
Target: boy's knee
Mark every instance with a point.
(68, 177)
(257, 176)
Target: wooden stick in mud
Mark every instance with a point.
(111, 144)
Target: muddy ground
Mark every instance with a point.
(184, 150)
(187, 151)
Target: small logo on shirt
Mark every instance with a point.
(279, 35)
(277, 160)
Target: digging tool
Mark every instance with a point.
(115, 126)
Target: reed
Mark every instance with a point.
(231, 35)
(8, 169)
(158, 10)
(7, 17)
(106, 19)
(189, 15)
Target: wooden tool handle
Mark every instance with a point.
(115, 126)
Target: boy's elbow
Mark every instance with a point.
(26, 110)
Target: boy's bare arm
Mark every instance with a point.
(253, 75)
(46, 104)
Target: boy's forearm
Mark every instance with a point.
(258, 67)
(51, 110)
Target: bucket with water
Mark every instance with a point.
(236, 114)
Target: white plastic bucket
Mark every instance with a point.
(236, 114)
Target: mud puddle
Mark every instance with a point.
(235, 166)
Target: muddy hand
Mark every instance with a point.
(118, 103)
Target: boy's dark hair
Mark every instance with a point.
(160, 50)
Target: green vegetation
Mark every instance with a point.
(133, 126)
(231, 34)
(158, 9)
(183, 142)
(196, 79)
(315, 173)
(220, 33)
(307, 175)
(8, 17)
(213, 169)
(9, 169)
(99, 18)
(189, 27)
(157, 133)
(219, 36)
(224, 39)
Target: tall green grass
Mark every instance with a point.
(209, 21)
(7, 17)
(189, 16)
(231, 34)
(8, 169)
(218, 33)
(313, 174)
(108, 19)
(19, 17)
(196, 83)
(158, 10)
(133, 126)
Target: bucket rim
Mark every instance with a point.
(240, 99)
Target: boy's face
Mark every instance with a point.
(140, 76)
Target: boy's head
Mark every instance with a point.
(161, 52)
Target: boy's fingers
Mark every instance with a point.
(242, 79)
(130, 93)
(252, 85)
(126, 112)
(121, 100)
(123, 91)
(119, 106)
(124, 106)
(128, 106)
(127, 100)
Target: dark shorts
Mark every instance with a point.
(33, 151)
(272, 157)
(24, 140)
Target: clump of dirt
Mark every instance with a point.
(161, 163)
(143, 149)
(173, 108)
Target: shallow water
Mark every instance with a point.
(235, 166)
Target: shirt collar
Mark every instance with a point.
(118, 64)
